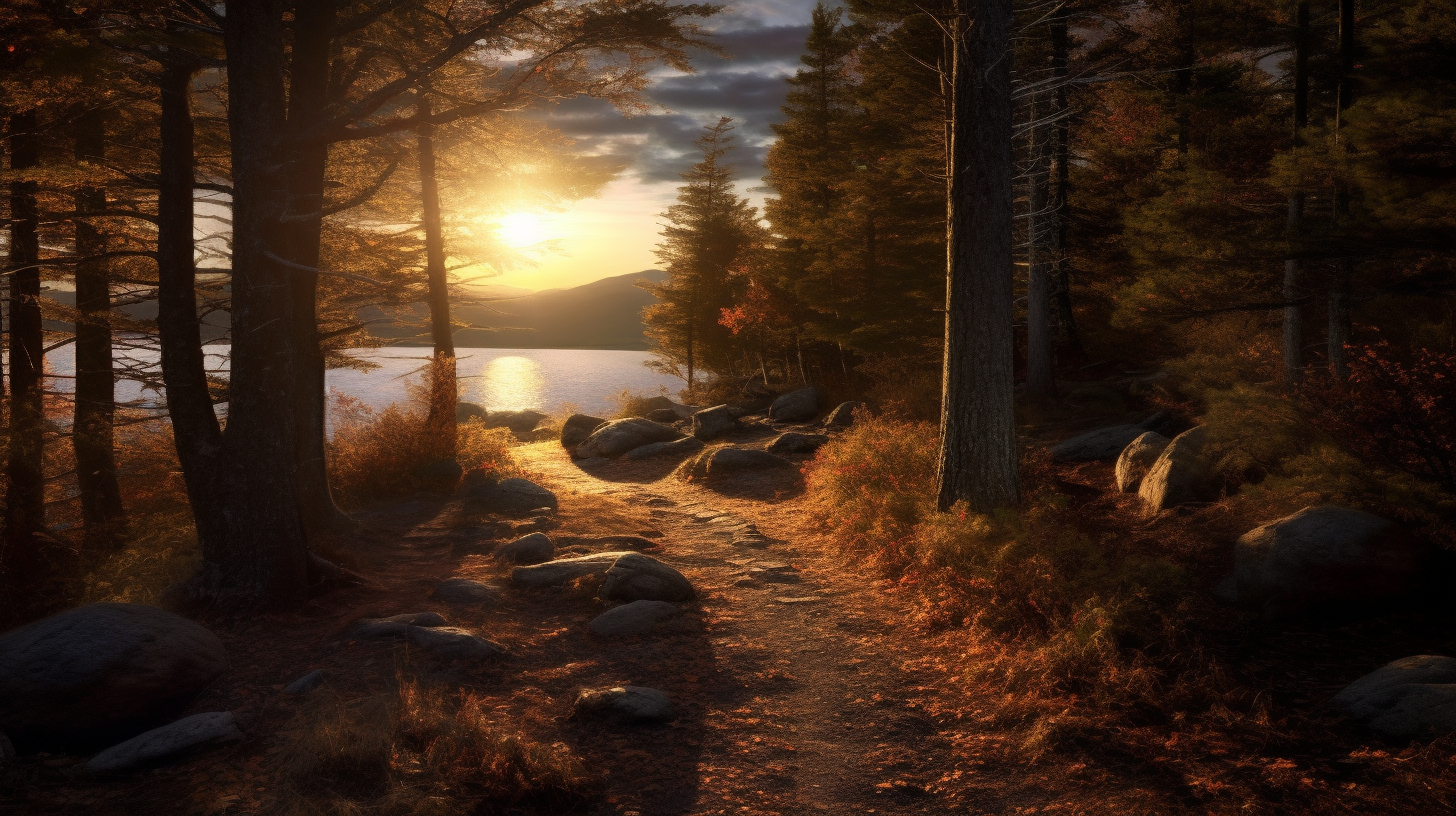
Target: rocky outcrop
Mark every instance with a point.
(1408, 698)
(667, 416)
(797, 443)
(466, 591)
(678, 448)
(170, 739)
(638, 577)
(528, 549)
(577, 428)
(1103, 443)
(625, 704)
(635, 618)
(1180, 475)
(507, 497)
(619, 436)
(795, 406)
(711, 423)
(100, 673)
(1137, 459)
(1323, 555)
(843, 415)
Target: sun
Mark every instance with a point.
(522, 229)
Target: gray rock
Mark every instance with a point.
(523, 421)
(392, 626)
(159, 743)
(687, 446)
(843, 415)
(1137, 459)
(1103, 443)
(711, 423)
(625, 704)
(306, 683)
(465, 591)
(529, 549)
(453, 643)
(1180, 475)
(509, 496)
(577, 428)
(664, 415)
(610, 542)
(797, 443)
(728, 461)
(635, 618)
(619, 436)
(102, 672)
(637, 577)
(795, 406)
(466, 411)
(1410, 697)
(562, 570)
(1323, 555)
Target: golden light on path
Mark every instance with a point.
(523, 229)
(508, 384)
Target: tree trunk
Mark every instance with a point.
(1041, 226)
(1293, 345)
(91, 429)
(1061, 284)
(25, 496)
(443, 381)
(266, 557)
(978, 456)
(1339, 294)
(195, 429)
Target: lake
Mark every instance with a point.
(498, 379)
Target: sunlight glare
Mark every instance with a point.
(509, 384)
(522, 229)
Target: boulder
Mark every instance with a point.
(1180, 474)
(711, 423)
(453, 643)
(523, 421)
(637, 577)
(663, 415)
(562, 570)
(843, 415)
(102, 672)
(610, 542)
(1408, 698)
(507, 497)
(635, 618)
(1323, 555)
(1137, 459)
(159, 743)
(1103, 443)
(392, 626)
(306, 683)
(466, 591)
(466, 411)
(797, 443)
(678, 448)
(625, 704)
(529, 549)
(657, 403)
(727, 461)
(795, 406)
(577, 428)
(619, 436)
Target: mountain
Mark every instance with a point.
(603, 314)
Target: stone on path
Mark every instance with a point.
(529, 549)
(466, 591)
(1137, 459)
(663, 415)
(711, 423)
(1407, 698)
(687, 446)
(797, 443)
(635, 618)
(508, 496)
(625, 704)
(159, 743)
(392, 626)
(562, 570)
(453, 643)
(306, 683)
(799, 599)
(795, 406)
(102, 672)
(610, 542)
(637, 577)
(523, 421)
(1103, 443)
(619, 436)
(727, 461)
(1180, 475)
(843, 415)
(577, 428)
(1323, 555)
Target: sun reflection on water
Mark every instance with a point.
(509, 383)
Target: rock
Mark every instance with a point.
(843, 415)
(664, 415)
(102, 672)
(1180, 475)
(306, 683)
(619, 436)
(562, 570)
(1103, 443)
(538, 524)
(393, 626)
(466, 591)
(453, 643)
(159, 743)
(610, 542)
(635, 618)
(1410, 697)
(657, 403)
(795, 406)
(638, 577)
(1137, 459)
(625, 704)
(711, 423)
(727, 461)
(687, 446)
(797, 443)
(509, 496)
(523, 421)
(577, 428)
(466, 411)
(529, 549)
(1323, 555)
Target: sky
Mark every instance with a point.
(615, 233)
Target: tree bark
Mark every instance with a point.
(195, 429)
(978, 456)
(1066, 320)
(92, 426)
(1293, 340)
(1338, 331)
(443, 382)
(1041, 227)
(25, 496)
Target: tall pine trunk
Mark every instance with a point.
(978, 456)
(92, 426)
(443, 387)
(1041, 227)
(1338, 332)
(1293, 341)
(1060, 207)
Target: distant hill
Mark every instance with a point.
(603, 314)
